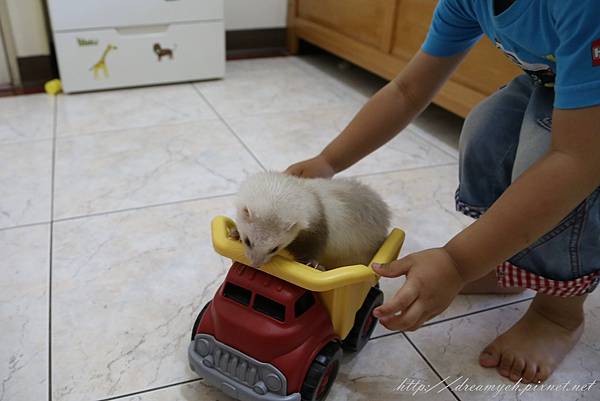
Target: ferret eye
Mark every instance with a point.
(274, 250)
(247, 242)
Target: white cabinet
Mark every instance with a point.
(87, 14)
(102, 44)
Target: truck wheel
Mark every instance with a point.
(364, 322)
(322, 373)
(198, 319)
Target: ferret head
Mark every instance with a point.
(264, 236)
(272, 208)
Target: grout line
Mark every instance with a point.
(39, 223)
(393, 333)
(136, 127)
(400, 170)
(130, 209)
(518, 301)
(359, 102)
(230, 128)
(177, 202)
(427, 137)
(151, 389)
(317, 73)
(51, 254)
(431, 366)
(26, 141)
(225, 195)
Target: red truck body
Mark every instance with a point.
(243, 315)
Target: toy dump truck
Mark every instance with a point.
(277, 333)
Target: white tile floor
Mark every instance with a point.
(105, 258)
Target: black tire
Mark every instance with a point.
(364, 322)
(198, 319)
(322, 373)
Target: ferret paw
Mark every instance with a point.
(234, 234)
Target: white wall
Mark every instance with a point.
(29, 27)
(255, 14)
(4, 71)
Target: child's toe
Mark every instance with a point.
(529, 372)
(489, 357)
(516, 372)
(506, 362)
(543, 373)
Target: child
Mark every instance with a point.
(529, 171)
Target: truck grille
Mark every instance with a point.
(234, 366)
(262, 377)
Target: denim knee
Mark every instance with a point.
(488, 144)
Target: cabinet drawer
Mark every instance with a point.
(88, 14)
(111, 58)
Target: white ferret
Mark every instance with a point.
(335, 222)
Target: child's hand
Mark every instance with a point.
(312, 168)
(432, 282)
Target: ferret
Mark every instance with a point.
(335, 222)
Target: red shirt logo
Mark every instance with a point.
(596, 53)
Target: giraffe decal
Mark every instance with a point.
(101, 64)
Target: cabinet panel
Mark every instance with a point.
(368, 21)
(485, 69)
(412, 24)
(182, 52)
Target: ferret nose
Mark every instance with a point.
(258, 263)
(255, 261)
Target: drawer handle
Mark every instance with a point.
(143, 30)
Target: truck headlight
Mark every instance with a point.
(259, 388)
(273, 382)
(203, 347)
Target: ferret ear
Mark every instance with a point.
(247, 214)
(298, 225)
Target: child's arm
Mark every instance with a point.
(390, 110)
(529, 208)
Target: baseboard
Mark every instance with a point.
(6, 91)
(250, 43)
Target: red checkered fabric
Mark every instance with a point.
(510, 275)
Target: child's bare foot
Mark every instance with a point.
(537, 343)
(489, 285)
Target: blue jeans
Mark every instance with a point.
(501, 138)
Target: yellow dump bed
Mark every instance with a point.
(342, 290)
